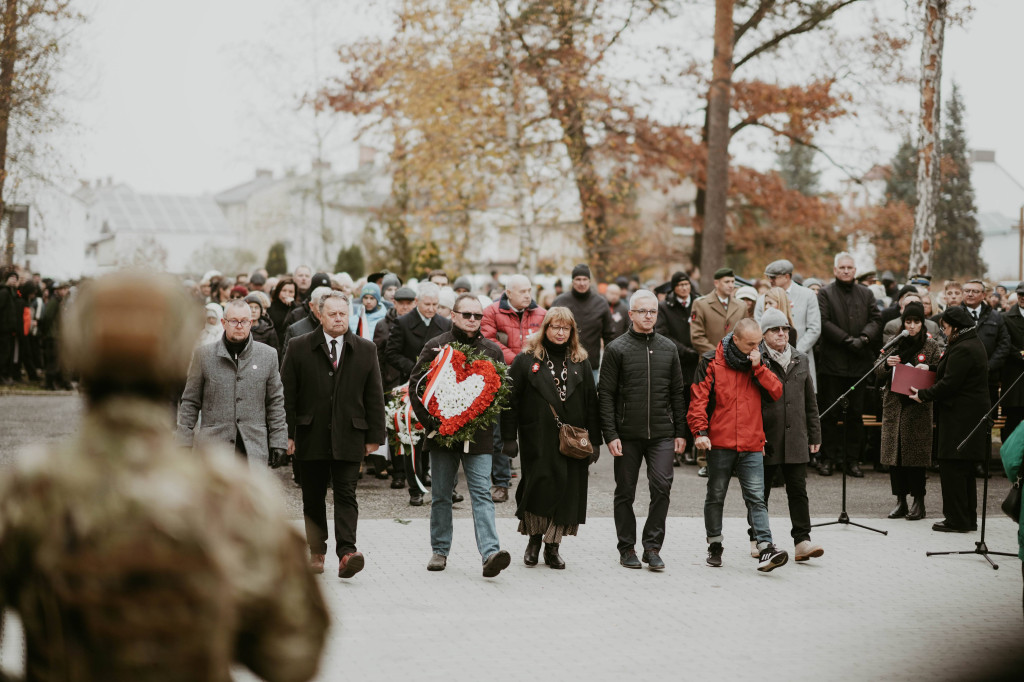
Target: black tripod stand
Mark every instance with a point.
(980, 547)
(843, 402)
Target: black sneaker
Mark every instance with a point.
(629, 560)
(715, 554)
(653, 560)
(771, 558)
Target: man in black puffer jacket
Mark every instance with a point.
(643, 417)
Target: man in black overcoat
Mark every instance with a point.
(674, 324)
(334, 404)
(1013, 396)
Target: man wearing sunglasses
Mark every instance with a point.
(236, 384)
(475, 456)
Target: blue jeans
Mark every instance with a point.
(749, 467)
(501, 467)
(444, 465)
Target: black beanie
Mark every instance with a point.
(957, 317)
(678, 277)
(914, 309)
(581, 270)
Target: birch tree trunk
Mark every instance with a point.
(712, 254)
(929, 153)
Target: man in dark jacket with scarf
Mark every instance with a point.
(1013, 398)
(10, 318)
(674, 324)
(643, 418)
(725, 418)
(791, 429)
(467, 314)
(593, 317)
(850, 330)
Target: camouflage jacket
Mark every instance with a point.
(129, 558)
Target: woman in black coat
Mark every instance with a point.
(551, 371)
(961, 400)
(262, 327)
(281, 303)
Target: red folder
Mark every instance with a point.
(905, 376)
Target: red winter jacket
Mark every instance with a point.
(731, 401)
(509, 329)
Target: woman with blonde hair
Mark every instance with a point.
(776, 297)
(550, 377)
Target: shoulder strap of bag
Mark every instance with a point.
(558, 422)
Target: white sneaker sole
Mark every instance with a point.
(817, 552)
(774, 562)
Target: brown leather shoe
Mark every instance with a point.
(499, 493)
(351, 564)
(316, 562)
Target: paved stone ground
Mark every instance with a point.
(874, 607)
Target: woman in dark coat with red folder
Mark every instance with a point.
(907, 425)
(961, 400)
(552, 371)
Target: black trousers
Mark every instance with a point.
(7, 341)
(314, 475)
(795, 476)
(833, 444)
(959, 493)
(416, 465)
(659, 455)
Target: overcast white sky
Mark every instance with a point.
(191, 96)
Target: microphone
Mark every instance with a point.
(894, 340)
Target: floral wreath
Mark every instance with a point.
(403, 426)
(466, 391)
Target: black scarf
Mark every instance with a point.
(910, 347)
(556, 352)
(584, 296)
(463, 337)
(234, 347)
(734, 357)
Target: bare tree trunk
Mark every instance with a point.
(929, 153)
(712, 254)
(8, 57)
(514, 133)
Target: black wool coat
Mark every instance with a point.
(593, 320)
(674, 324)
(406, 339)
(961, 398)
(994, 336)
(847, 310)
(551, 485)
(332, 414)
(1014, 366)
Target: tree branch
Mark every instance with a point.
(808, 24)
(810, 145)
(754, 20)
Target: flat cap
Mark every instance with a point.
(779, 267)
(405, 294)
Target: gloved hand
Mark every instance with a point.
(596, 456)
(278, 458)
(509, 448)
(855, 343)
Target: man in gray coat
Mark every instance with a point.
(236, 385)
(792, 429)
(803, 304)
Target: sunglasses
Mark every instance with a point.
(470, 316)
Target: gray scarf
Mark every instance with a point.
(783, 358)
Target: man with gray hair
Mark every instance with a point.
(236, 386)
(306, 324)
(850, 331)
(334, 404)
(642, 401)
(803, 307)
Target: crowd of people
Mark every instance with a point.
(296, 369)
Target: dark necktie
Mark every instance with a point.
(974, 314)
(334, 353)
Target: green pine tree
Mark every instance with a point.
(902, 182)
(350, 260)
(957, 237)
(277, 262)
(796, 166)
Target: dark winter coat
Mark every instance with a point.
(1013, 368)
(642, 393)
(593, 320)
(674, 324)
(300, 328)
(278, 311)
(389, 375)
(332, 414)
(725, 403)
(993, 334)
(847, 311)
(9, 310)
(552, 485)
(483, 439)
(620, 317)
(907, 425)
(264, 332)
(299, 312)
(406, 340)
(791, 423)
(961, 398)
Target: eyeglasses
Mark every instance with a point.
(238, 323)
(560, 330)
(645, 313)
(778, 330)
(470, 316)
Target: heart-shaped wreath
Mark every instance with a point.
(466, 390)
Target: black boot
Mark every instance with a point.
(532, 551)
(551, 557)
(916, 512)
(901, 509)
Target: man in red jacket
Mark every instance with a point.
(725, 418)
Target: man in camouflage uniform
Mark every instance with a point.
(129, 558)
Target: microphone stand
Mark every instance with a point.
(980, 547)
(843, 402)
